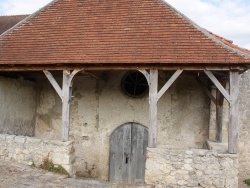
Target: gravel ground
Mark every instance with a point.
(14, 175)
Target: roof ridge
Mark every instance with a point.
(208, 34)
(27, 18)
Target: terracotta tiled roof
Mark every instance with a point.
(230, 43)
(113, 32)
(7, 22)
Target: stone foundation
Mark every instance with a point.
(176, 168)
(33, 151)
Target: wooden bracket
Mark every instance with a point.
(205, 90)
(218, 84)
(65, 94)
(146, 74)
(169, 83)
(53, 83)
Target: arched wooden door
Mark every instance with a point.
(128, 144)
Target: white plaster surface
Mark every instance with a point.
(17, 106)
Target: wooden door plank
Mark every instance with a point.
(53, 83)
(169, 83)
(218, 84)
(134, 150)
(233, 116)
(153, 89)
(116, 158)
(126, 167)
(140, 171)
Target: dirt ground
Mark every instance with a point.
(14, 175)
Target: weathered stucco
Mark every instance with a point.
(244, 126)
(18, 106)
(99, 106)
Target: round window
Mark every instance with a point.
(134, 84)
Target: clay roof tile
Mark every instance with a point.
(117, 32)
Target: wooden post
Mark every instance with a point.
(65, 105)
(65, 94)
(219, 116)
(153, 89)
(219, 112)
(233, 116)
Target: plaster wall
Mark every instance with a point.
(244, 126)
(17, 106)
(100, 106)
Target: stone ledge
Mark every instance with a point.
(190, 168)
(28, 150)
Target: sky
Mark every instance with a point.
(227, 18)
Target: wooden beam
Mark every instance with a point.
(53, 83)
(205, 90)
(145, 73)
(168, 84)
(219, 112)
(65, 105)
(153, 87)
(72, 75)
(219, 116)
(233, 116)
(218, 84)
(124, 66)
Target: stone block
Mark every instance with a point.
(33, 140)
(20, 139)
(3, 136)
(69, 169)
(10, 137)
(188, 167)
(62, 159)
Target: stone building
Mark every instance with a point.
(125, 91)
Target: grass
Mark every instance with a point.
(51, 167)
(247, 181)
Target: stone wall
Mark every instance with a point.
(244, 125)
(99, 106)
(178, 168)
(17, 106)
(33, 151)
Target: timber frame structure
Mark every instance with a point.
(154, 95)
(147, 36)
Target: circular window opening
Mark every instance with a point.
(134, 84)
